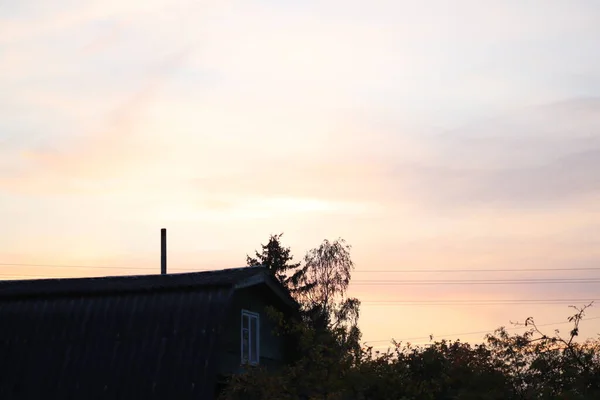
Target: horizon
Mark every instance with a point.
(439, 141)
(515, 327)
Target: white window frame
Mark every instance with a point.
(251, 336)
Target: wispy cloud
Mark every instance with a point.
(543, 157)
(104, 152)
(426, 134)
(564, 179)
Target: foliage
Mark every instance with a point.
(333, 365)
(531, 365)
(322, 283)
(328, 334)
(541, 366)
(276, 258)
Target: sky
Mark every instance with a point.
(430, 135)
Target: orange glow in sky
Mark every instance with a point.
(429, 136)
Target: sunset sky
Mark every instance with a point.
(431, 135)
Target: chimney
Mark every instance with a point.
(163, 251)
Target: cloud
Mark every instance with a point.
(539, 157)
(105, 41)
(86, 160)
(34, 21)
(230, 120)
(565, 179)
(333, 181)
(257, 208)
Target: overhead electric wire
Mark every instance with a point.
(398, 282)
(380, 282)
(416, 304)
(480, 270)
(355, 282)
(477, 270)
(95, 267)
(483, 302)
(30, 275)
(475, 333)
(469, 300)
(417, 282)
(478, 282)
(33, 276)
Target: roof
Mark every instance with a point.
(148, 336)
(233, 277)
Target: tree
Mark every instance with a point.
(276, 258)
(328, 338)
(545, 366)
(332, 364)
(530, 365)
(322, 283)
(320, 287)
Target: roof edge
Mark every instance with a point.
(272, 283)
(123, 284)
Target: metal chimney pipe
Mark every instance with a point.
(163, 251)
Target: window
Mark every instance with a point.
(250, 338)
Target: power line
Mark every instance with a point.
(401, 283)
(468, 301)
(438, 302)
(474, 304)
(477, 270)
(410, 303)
(476, 282)
(476, 333)
(519, 281)
(98, 267)
(17, 275)
(480, 270)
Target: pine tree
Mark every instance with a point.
(276, 259)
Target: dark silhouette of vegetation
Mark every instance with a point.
(333, 365)
(276, 258)
(322, 283)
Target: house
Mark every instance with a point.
(137, 337)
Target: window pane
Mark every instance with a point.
(245, 345)
(254, 340)
(245, 338)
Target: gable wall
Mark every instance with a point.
(272, 347)
(144, 345)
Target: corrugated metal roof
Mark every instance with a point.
(149, 337)
(69, 286)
